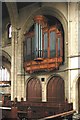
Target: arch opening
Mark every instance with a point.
(44, 41)
(33, 90)
(55, 90)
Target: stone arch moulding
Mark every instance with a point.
(5, 54)
(31, 77)
(50, 11)
(75, 86)
(53, 75)
(6, 61)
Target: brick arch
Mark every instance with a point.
(55, 89)
(33, 90)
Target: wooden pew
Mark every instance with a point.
(59, 116)
(37, 110)
(9, 113)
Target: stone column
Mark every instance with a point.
(43, 91)
(20, 70)
(79, 28)
(0, 46)
(13, 64)
(13, 13)
(72, 49)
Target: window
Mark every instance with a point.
(9, 31)
(4, 74)
(4, 77)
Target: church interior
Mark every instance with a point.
(40, 68)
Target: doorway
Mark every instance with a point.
(33, 90)
(55, 90)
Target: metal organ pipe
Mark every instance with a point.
(41, 41)
(39, 24)
(36, 39)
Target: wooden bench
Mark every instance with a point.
(59, 116)
(37, 110)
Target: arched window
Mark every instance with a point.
(9, 29)
(4, 77)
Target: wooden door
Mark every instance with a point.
(55, 90)
(33, 90)
(79, 95)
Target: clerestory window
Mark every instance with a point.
(9, 27)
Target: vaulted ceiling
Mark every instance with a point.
(19, 6)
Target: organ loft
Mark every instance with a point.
(39, 70)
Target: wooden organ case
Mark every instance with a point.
(43, 47)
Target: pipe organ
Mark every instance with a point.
(43, 47)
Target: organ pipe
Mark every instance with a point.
(39, 24)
